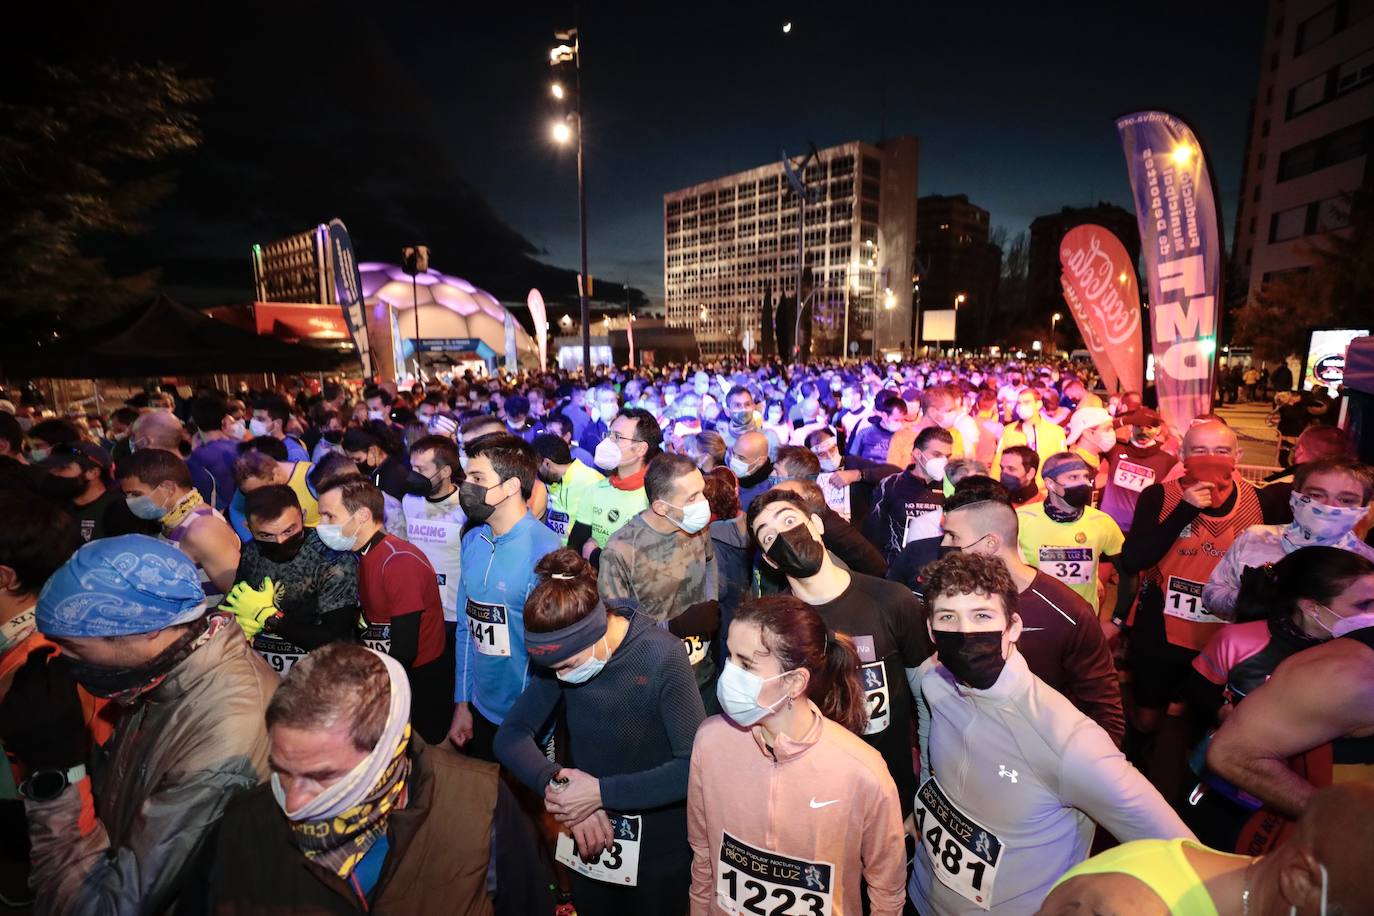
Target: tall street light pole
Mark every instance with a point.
(559, 56)
(1054, 321)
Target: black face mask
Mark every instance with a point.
(332, 436)
(127, 683)
(281, 551)
(974, 659)
(796, 553)
(1078, 496)
(418, 484)
(473, 498)
(62, 488)
(365, 468)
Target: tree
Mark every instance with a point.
(83, 153)
(1011, 292)
(1336, 289)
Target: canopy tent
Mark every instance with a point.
(164, 337)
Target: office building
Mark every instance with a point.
(731, 251)
(958, 267)
(1311, 131)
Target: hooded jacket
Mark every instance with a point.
(177, 757)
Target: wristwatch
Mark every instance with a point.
(45, 785)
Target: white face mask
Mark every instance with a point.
(738, 692)
(694, 516)
(237, 430)
(1025, 411)
(739, 466)
(1105, 441)
(258, 427)
(935, 468)
(1320, 524)
(1351, 624)
(608, 455)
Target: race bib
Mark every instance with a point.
(277, 652)
(759, 882)
(377, 636)
(1070, 565)
(962, 853)
(836, 494)
(923, 526)
(489, 628)
(617, 865)
(697, 647)
(557, 522)
(1183, 599)
(1132, 476)
(876, 697)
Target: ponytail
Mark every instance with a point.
(799, 637)
(844, 700)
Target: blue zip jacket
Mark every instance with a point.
(498, 575)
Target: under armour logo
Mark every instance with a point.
(1004, 773)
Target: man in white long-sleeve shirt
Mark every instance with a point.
(1330, 497)
(1013, 775)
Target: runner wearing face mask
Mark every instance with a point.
(292, 593)
(632, 709)
(1064, 536)
(1013, 777)
(1323, 869)
(879, 616)
(1031, 429)
(1182, 529)
(788, 811)
(634, 439)
(1330, 497)
(1091, 435)
(399, 596)
(907, 510)
(434, 520)
(847, 480)
(1134, 464)
(499, 555)
(662, 559)
(1309, 593)
(568, 479)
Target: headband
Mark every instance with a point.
(556, 647)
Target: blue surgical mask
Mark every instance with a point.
(37, 455)
(738, 692)
(585, 671)
(145, 507)
(334, 538)
(694, 516)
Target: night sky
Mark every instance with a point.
(431, 123)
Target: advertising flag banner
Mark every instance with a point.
(348, 289)
(1100, 288)
(1182, 244)
(540, 316)
(512, 363)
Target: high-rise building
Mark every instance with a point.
(1044, 294)
(1311, 133)
(958, 266)
(730, 251)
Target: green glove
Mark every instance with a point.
(252, 607)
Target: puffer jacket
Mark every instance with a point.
(177, 757)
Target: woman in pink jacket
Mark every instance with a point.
(787, 808)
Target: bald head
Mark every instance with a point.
(158, 429)
(752, 447)
(1210, 437)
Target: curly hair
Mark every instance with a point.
(970, 574)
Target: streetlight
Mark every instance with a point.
(567, 55)
(1054, 321)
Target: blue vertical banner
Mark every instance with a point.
(348, 290)
(512, 358)
(1180, 238)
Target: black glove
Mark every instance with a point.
(701, 619)
(1252, 596)
(41, 720)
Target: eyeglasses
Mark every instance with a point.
(626, 438)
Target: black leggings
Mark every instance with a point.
(665, 896)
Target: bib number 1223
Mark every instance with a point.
(759, 882)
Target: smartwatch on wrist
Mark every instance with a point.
(46, 784)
